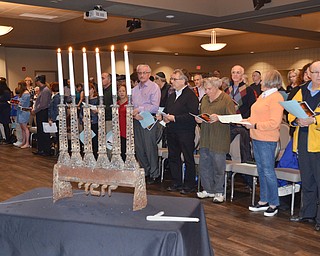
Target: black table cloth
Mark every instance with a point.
(31, 224)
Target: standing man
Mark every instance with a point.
(160, 80)
(146, 97)
(256, 85)
(199, 87)
(181, 132)
(306, 141)
(107, 99)
(41, 110)
(243, 97)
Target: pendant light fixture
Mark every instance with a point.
(213, 46)
(5, 30)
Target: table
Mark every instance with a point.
(31, 224)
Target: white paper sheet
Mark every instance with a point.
(49, 129)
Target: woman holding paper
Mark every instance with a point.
(214, 139)
(306, 141)
(265, 120)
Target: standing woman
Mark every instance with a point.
(265, 119)
(214, 139)
(122, 102)
(23, 114)
(5, 96)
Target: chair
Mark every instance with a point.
(163, 155)
(33, 131)
(291, 175)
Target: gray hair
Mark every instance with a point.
(272, 79)
(213, 81)
(181, 75)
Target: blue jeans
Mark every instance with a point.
(212, 166)
(264, 153)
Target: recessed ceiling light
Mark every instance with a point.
(170, 16)
(297, 48)
(38, 16)
(176, 53)
(251, 52)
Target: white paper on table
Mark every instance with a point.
(235, 119)
(147, 120)
(81, 136)
(159, 217)
(293, 107)
(49, 129)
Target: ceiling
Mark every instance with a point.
(277, 26)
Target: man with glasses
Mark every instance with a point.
(146, 97)
(243, 98)
(181, 133)
(306, 141)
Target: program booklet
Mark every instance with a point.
(298, 109)
(204, 117)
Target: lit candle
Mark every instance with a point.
(99, 78)
(113, 72)
(60, 74)
(85, 72)
(127, 70)
(71, 73)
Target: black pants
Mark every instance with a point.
(43, 139)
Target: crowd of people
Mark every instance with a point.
(186, 103)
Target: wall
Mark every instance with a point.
(13, 59)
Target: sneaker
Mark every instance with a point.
(259, 207)
(218, 198)
(17, 144)
(271, 212)
(204, 194)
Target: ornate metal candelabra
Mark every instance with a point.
(97, 177)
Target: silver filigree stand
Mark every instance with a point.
(103, 160)
(76, 159)
(88, 158)
(131, 162)
(64, 157)
(116, 160)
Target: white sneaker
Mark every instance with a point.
(204, 194)
(218, 198)
(17, 144)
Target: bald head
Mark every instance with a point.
(237, 74)
(315, 73)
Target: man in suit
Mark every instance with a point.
(181, 132)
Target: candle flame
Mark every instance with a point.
(70, 49)
(84, 49)
(125, 47)
(59, 50)
(97, 50)
(112, 47)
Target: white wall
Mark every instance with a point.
(13, 59)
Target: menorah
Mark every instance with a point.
(100, 176)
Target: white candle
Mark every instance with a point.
(60, 74)
(85, 72)
(127, 70)
(71, 73)
(113, 72)
(99, 78)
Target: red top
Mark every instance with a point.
(123, 119)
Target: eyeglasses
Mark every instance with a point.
(175, 79)
(143, 73)
(315, 72)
